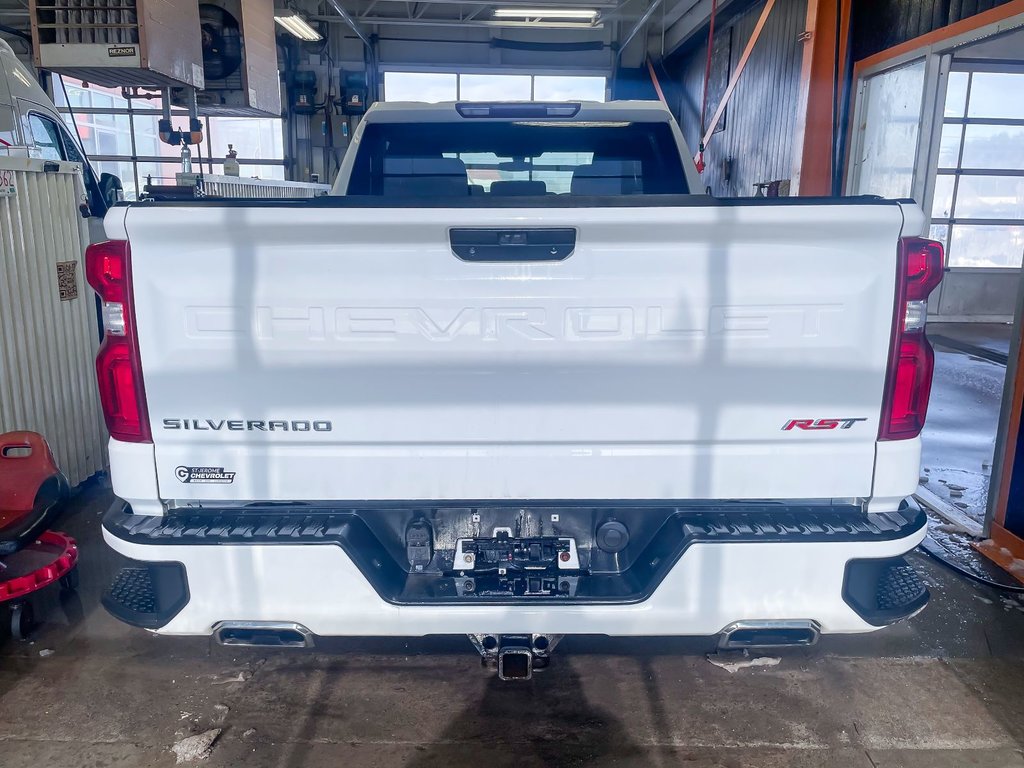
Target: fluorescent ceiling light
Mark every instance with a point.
(545, 13)
(293, 23)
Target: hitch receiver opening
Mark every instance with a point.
(515, 657)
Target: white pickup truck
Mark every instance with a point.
(517, 378)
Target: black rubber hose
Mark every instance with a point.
(931, 552)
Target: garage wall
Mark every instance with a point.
(756, 144)
(881, 24)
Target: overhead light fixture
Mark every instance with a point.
(293, 22)
(587, 14)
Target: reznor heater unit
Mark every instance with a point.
(119, 42)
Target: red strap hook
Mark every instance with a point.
(707, 77)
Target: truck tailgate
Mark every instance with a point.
(330, 352)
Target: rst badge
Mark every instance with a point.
(816, 424)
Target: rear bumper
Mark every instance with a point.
(843, 572)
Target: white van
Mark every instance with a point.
(30, 125)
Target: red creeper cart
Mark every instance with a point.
(32, 491)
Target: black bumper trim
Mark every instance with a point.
(393, 581)
(315, 525)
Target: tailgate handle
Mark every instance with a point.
(513, 244)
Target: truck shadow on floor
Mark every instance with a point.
(545, 721)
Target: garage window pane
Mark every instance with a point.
(939, 232)
(96, 96)
(942, 201)
(147, 139)
(990, 197)
(107, 129)
(568, 88)
(124, 170)
(949, 145)
(420, 86)
(892, 123)
(494, 88)
(161, 173)
(253, 138)
(997, 95)
(986, 246)
(956, 94)
(246, 170)
(994, 146)
(102, 134)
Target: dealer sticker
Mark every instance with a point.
(8, 188)
(204, 475)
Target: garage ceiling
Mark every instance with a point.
(616, 18)
(492, 13)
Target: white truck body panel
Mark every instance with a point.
(661, 360)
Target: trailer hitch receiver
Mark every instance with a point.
(515, 657)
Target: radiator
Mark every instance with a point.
(234, 186)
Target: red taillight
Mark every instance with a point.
(106, 266)
(921, 268)
(908, 381)
(108, 269)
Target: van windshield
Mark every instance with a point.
(517, 159)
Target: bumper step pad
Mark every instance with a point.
(147, 594)
(898, 587)
(133, 589)
(883, 592)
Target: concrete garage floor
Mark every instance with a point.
(946, 689)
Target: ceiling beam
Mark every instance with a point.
(685, 19)
(345, 17)
(673, 11)
(620, 12)
(655, 4)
